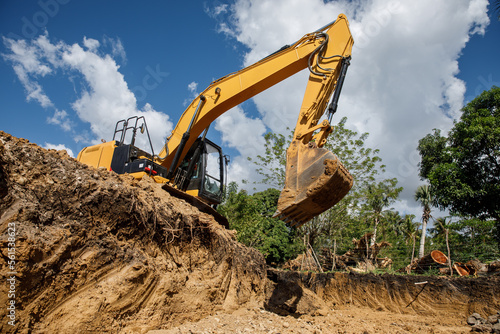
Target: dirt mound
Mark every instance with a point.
(87, 251)
(98, 252)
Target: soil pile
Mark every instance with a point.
(84, 250)
(97, 252)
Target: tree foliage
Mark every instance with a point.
(339, 223)
(362, 162)
(377, 197)
(469, 239)
(272, 164)
(424, 196)
(463, 169)
(251, 216)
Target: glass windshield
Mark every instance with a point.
(212, 171)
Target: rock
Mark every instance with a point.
(496, 328)
(477, 317)
(482, 328)
(493, 319)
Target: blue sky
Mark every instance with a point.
(69, 69)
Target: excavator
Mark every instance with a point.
(192, 167)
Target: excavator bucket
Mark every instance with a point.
(315, 181)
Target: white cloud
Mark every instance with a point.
(91, 44)
(26, 64)
(106, 97)
(217, 10)
(59, 147)
(241, 132)
(193, 93)
(402, 81)
(117, 48)
(60, 118)
(192, 87)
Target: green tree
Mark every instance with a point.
(423, 195)
(472, 238)
(272, 164)
(340, 223)
(464, 168)
(349, 146)
(362, 162)
(390, 222)
(409, 229)
(377, 197)
(251, 217)
(443, 227)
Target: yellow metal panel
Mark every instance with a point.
(98, 155)
(193, 192)
(319, 89)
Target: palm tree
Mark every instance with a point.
(424, 197)
(409, 228)
(444, 228)
(497, 8)
(391, 222)
(376, 199)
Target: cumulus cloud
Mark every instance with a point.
(27, 65)
(402, 81)
(59, 147)
(241, 132)
(60, 118)
(104, 97)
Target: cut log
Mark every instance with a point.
(438, 257)
(431, 260)
(461, 269)
(472, 267)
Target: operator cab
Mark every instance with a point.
(201, 174)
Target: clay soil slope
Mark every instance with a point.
(100, 253)
(97, 252)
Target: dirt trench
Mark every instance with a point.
(95, 252)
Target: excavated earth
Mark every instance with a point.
(95, 252)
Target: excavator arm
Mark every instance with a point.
(315, 178)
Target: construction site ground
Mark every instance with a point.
(85, 250)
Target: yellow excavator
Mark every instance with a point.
(192, 167)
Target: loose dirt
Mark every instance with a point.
(96, 252)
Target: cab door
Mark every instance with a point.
(213, 175)
(203, 168)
